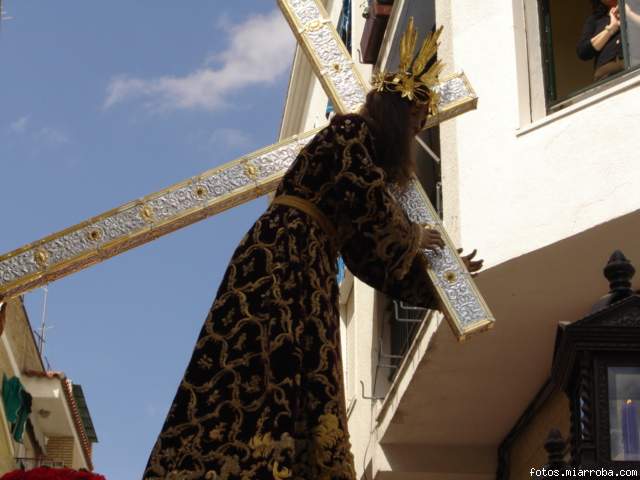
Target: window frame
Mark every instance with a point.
(610, 367)
(602, 363)
(553, 105)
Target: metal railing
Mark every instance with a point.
(404, 322)
(26, 463)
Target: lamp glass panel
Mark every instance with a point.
(624, 413)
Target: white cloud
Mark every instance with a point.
(260, 50)
(38, 136)
(230, 137)
(20, 125)
(52, 136)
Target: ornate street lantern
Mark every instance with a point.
(597, 363)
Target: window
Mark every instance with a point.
(578, 55)
(424, 15)
(344, 30)
(427, 148)
(624, 413)
(404, 323)
(344, 24)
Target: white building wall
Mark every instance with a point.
(512, 187)
(514, 178)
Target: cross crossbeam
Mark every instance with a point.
(143, 220)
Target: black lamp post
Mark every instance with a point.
(597, 363)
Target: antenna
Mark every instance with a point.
(42, 331)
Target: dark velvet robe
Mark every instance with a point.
(263, 396)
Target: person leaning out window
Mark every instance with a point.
(601, 39)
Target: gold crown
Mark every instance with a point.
(413, 80)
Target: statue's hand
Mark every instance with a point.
(472, 266)
(431, 239)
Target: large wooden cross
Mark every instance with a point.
(249, 177)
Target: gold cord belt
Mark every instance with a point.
(310, 209)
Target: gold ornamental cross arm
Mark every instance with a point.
(460, 300)
(143, 220)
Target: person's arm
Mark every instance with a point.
(600, 40)
(591, 42)
(380, 245)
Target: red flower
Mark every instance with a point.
(46, 473)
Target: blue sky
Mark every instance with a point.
(101, 103)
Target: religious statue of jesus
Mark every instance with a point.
(262, 396)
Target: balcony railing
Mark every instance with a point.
(404, 322)
(26, 463)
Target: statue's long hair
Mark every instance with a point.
(388, 116)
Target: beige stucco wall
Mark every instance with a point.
(17, 331)
(6, 444)
(528, 450)
(6, 365)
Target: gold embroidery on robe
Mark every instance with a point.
(262, 397)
